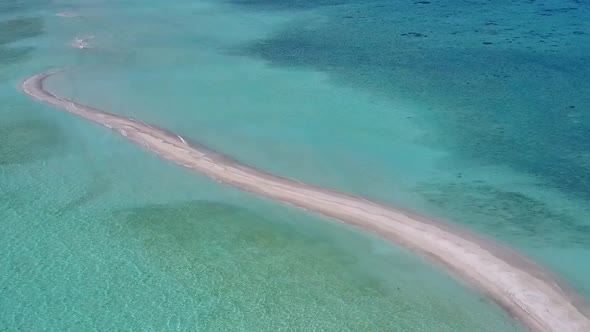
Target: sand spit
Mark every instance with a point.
(520, 286)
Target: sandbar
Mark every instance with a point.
(520, 286)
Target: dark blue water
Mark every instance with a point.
(502, 85)
(509, 79)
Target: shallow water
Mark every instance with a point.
(398, 102)
(102, 235)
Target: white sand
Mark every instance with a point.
(517, 284)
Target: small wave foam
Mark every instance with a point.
(66, 14)
(81, 43)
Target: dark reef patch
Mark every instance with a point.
(18, 29)
(231, 249)
(18, 6)
(15, 30)
(197, 227)
(11, 55)
(413, 34)
(499, 212)
(26, 140)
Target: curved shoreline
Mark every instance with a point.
(520, 286)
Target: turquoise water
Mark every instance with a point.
(403, 102)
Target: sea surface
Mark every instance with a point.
(473, 112)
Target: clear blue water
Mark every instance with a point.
(474, 112)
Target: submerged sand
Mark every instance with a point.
(520, 286)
